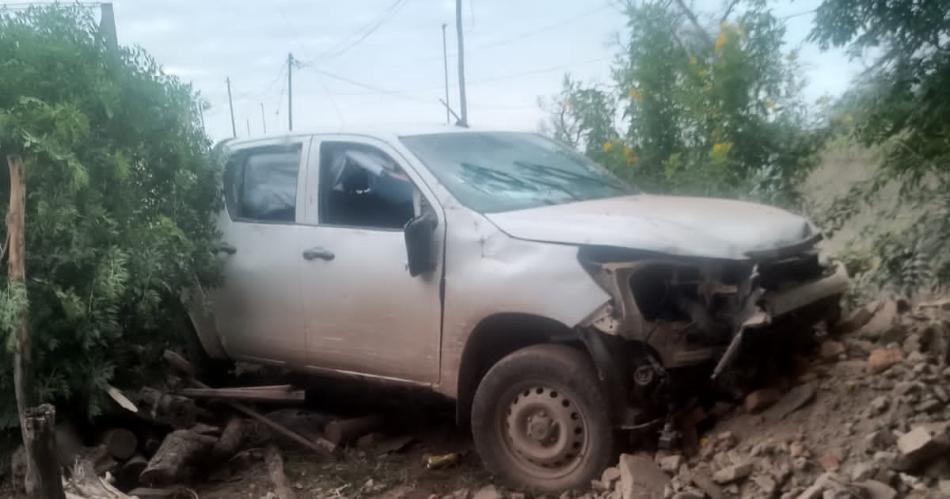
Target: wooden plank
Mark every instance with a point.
(254, 394)
(320, 445)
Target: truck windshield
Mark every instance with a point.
(492, 172)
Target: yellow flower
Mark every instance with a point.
(629, 156)
(720, 150)
(635, 94)
(721, 40)
(607, 146)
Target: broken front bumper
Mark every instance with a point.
(773, 305)
(779, 303)
(705, 308)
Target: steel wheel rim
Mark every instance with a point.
(544, 431)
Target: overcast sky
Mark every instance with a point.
(378, 62)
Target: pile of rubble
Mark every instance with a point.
(867, 416)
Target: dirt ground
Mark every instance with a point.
(841, 423)
(369, 471)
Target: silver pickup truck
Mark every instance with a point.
(552, 301)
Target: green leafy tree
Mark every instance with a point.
(698, 113)
(120, 202)
(900, 104)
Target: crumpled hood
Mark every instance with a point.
(683, 226)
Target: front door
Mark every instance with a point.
(365, 313)
(258, 309)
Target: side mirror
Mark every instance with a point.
(420, 247)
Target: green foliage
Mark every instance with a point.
(900, 103)
(694, 113)
(120, 202)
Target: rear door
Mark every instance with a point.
(365, 312)
(258, 309)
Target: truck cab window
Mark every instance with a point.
(362, 186)
(261, 184)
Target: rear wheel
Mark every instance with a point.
(540, 419)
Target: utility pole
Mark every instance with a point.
(263, 120)
(290, 92)
(445, 67)
(458, 29)
(231, 107)
(248, 120)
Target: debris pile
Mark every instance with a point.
(162, 439)
(867, 416)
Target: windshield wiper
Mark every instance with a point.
(567, 174)
(498, 175)
(503, 176)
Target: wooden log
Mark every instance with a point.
(275, 469)
(231, 440)
(304, 422)
(250, 394)
(177, 459)
(84, 483)
(179, 363)
(343, 431)
(120, 442)
(40, 439)
(162, 492)
(167, 409)
(127, 476)
(320, 445)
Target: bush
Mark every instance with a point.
(898, 104)
(120, 203)
(697, 113)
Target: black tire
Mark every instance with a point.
(540, 420)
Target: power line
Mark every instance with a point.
(257, 95)
(514, 38)
(493, 79)
(798, 14)
(366, 32)
(373, 90)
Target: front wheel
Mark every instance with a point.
(540, 419)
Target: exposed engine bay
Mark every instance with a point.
(697, 315)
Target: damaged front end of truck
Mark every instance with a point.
(704, 316)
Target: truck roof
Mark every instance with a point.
(383, 132)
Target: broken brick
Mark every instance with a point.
(883, 358)
(760, 400)
(831, 349)
(829, 462)
(877, 490)
(922, 444)
(733, 473)
(640, 477)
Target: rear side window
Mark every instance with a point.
(261, 184)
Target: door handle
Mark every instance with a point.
(318, 252)
(226, 248)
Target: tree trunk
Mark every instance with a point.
(177, 459)
(40, 438)
(44, 479)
